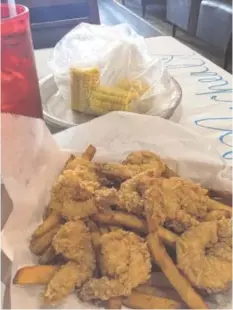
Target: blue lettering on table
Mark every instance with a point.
(217, 86)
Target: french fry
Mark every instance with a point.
(48, 256)
(104, 229)
(138, 300)
(169, 173)
(113, 303)
(51, 221)
(181, 284)
(221, 196)
(71, 158)
(167, 236)
(89, 153)
(40, 274)
(147, 289)
(121, 219)
(39, 245)
(95, 234)
(216, 205)
(167, 292)
(47, 212)
(132, 222)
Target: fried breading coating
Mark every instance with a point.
(216, 215)
(125, 263)
(204, 254)
(75, 184)
(73, 241)
(103, 288)
(71, 188)
(132, 254)
(78, 161)
(68, 277)
(105, 197)
(114, 171)
(176, 203)
(134, 164)
(75, 210)
(140, 161)
(127, 197)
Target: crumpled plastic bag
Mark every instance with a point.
(100, 68)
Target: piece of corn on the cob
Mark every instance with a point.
(83, 81)
(89, 97)
(105, 99)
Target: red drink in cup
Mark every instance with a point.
(19, 82)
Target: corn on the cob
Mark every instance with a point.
(98, 107)
(83, 81)
(105, 99)
(89, 97)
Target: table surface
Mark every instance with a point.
(206, 106)
(207, 94)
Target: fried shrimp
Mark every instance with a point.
(204, 254)
(114, 171)
(78, 161)
(125, 263)
(176, 203)
(73, 241)
(141, 161)
(134, 164)
(72, 187)
(127, 197)
(68, 277)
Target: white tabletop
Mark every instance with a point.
(207, 93)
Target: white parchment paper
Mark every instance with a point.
(31, 161)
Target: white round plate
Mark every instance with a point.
(58, 114)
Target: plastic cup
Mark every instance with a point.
(19, 83)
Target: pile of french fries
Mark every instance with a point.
(159, 240)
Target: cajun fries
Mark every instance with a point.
(106, 227)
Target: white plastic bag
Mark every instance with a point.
(120, 54)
